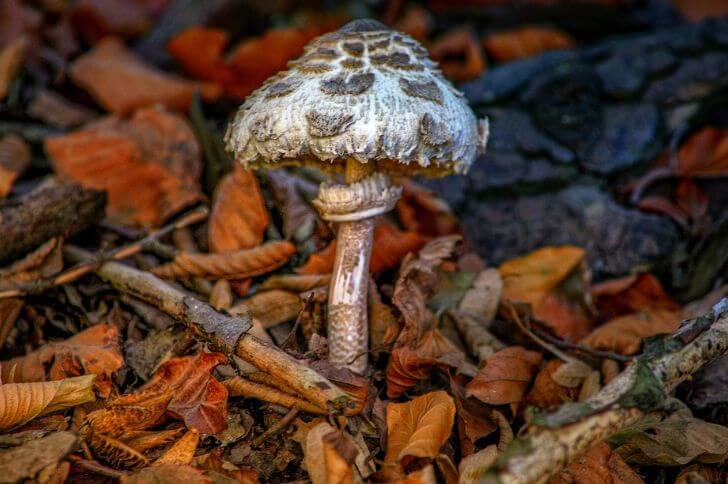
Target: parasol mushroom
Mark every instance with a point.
(368, 101)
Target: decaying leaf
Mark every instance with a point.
(148, 165)
(483, 297)
(121, 82)
(271, 307)
(329, 455)
(553, 281)
(15, 157)
(473, 467)
(676, 440)
(459, 54)
(44, 261)
(229, 265)
(9, 313)
(27, 461)
(11, 60)
(416, 283)
(527, 41)
(504, 377)
(182, 452)
(299, 218)
(96, 19)
(624, 334)
(56, 110)
(22, 402)
(383, 323)
(95, 350)
(546, 392)
(421, 211)
(390, 246)
(238, 218)
(167, 474)
(115, 452)
(600, 464)
(408, 365)
(418, 428)
(631, 294)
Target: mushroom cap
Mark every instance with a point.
(363, 92)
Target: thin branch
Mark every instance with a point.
(119, 253)
(276, 428)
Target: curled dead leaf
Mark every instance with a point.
(44, 261)
(182, 452)
(15, 157)
(271, 307)
(624, 334)
(228, 265)
(546, 392)
(115, 452)
(421, 211)
(22, 402)
(459, 54)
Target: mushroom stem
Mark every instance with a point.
(348, 324)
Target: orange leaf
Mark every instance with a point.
(167, 474)
(459, 55)
(15, 157)
(540, 279)
(599, 465)
(630, 294)
(239, 217)
(407, 366)
(148, 165)
(418, 428)
(229, 265)
(121, 82)
(504, 377)
(546, 392)
(624, 334)
(95, 350)
(389, 248)
(199, 50)
(525, 42)
(691, 199)
(704, 154)
(421, 211)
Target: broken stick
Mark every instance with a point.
(560, 437)
(226, 333)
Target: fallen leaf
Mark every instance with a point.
(221, 296)
(45, 261)
(418, 428)
(55, 110)
(95, 350)
(9, 312)
(15, 157)
(96, 19)
(416, 282)
(228, 265)
(689, 207)
(546, 392)
(296, 282)
(328, 455)
(624, 334)
(26, 462)
(552, 280)
(121, 82)
(11, 60)
(409, 365)
(182, 452)
(238, 218)
(599, 465)
(420, 210)
(483, 298)
(148, 165)
(505, 377)
(524, 42)
(459, 54)
(22, 402)
(167, 474)
(473, 467)
(271, 307)
(474, 418)
(677, 440)
(299, 218)
(383, 323)
(629, 294)
(114, 452)
(704, 154)
(389, 247)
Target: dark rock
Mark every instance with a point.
(627, 138)
(623, 74)
(617, 239)
(498, 171)
(512, 130)
(694, 78)
(707, 393)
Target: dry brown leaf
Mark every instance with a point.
(624, 334)
(229, 265)
(389, 247)
(96, 19)
(115, 452)
(271, 307)
(423, 212)
(546, 393)
(504, 377)
(45, 261)
(328, 455)
(473, 467)
(29, 461)
(416, 282)
(121, 82)
(296, 282)
(541, 279)
(148, 165)
(11, 60)
(56, 110)
(167, 474)
(598, 466)
(95, 350)
(484, 297)
(299, 218)
(239, 217)
(418, 428)
(525, 42)
(9, 313)
(383, 323)
(629, 294)
(221, 296)
(182, 452)
(459, 54)
(136, 411)
(144, 440)
(15, 157)
(22, 402)
(408, 365)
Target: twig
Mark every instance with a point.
(276, 428)
(226, 333)
(581, 348)
(545, 450)
(83, 268)
(240, 387)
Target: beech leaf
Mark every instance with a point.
(624, 334)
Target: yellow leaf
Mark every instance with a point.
(419, 428)
(182, 452)
(22, 402)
